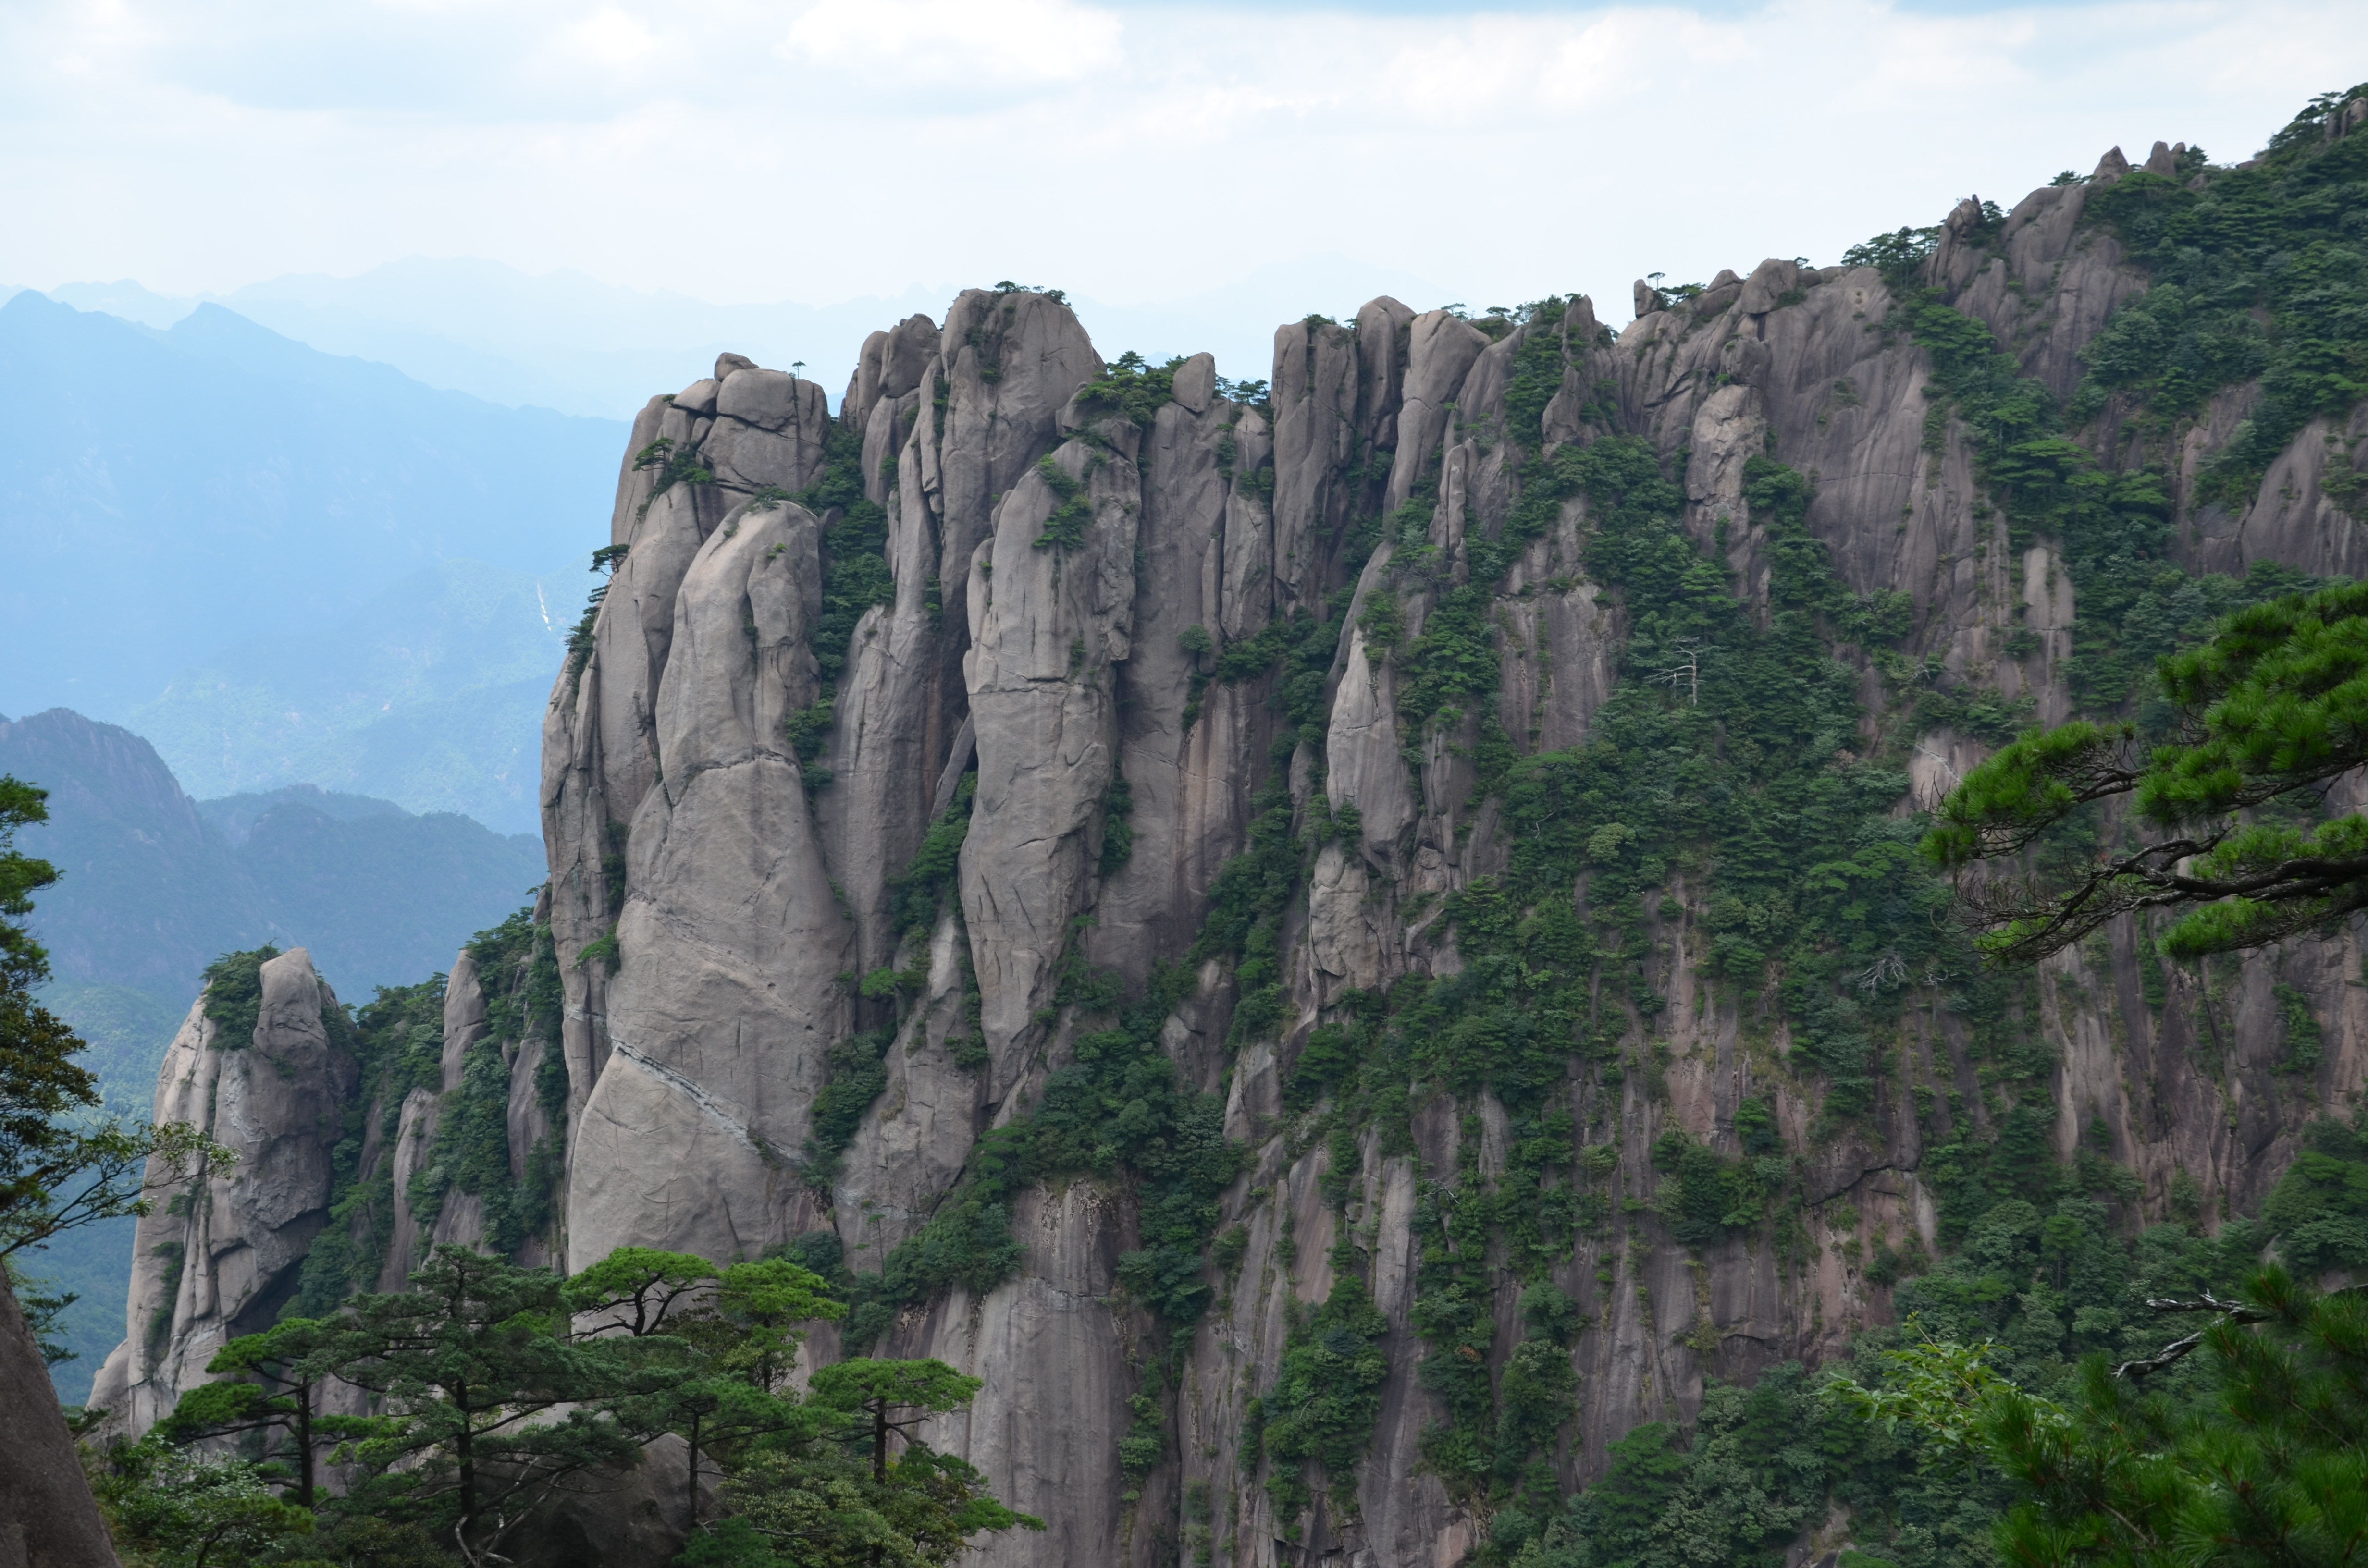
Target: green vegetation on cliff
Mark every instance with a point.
(397, 1040)
(1732, 763)
(855, 561)
(2258, 275)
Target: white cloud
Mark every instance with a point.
(926, 43)
(612, 37)
(748, 150)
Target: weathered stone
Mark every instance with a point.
(1440, 350)
(1052, 620)
(48, 1519)
(220, 1256)
(768, 431)
(1057, 661)
(1768, 283)
(1047, 1440)
(725, 998)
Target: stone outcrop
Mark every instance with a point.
(48, 1519)
(733, 829)
(460, 1217)
(221, 1256)
(224, 1256)
(752, 890)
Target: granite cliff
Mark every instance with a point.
(265, 1068)
(1072, 687)
(1154, 882)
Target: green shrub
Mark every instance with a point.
(855, 1072)
(1131, 389)
(1072, 510)
(855, 575)
(1146, 1440)
(233, 991)
(2318, 1211)
(1117, 832)
(1548, 1314)
(674, 464)
(1326, 1399)
(602, 950)
(2301, 1028)
(808, 729)
(916, 893)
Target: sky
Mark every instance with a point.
(737, 151)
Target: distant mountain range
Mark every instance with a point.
(572, 343)
(565, 341)
(431, 695)
(156, 885)
(286, 567)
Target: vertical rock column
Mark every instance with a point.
(730, 939)
(1052, 599)
(220, 1257)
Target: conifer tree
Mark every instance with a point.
(2263, 718)
(292, 1361)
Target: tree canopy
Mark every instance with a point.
(2269, 1471)
(291, 1362)
(2222, 822)
(494, 1388)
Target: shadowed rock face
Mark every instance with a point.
(47, 1513)
(749, 898)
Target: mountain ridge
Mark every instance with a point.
(1353, 945)
(127, 839)
(146, 452)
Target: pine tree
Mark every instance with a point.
(2264, 716)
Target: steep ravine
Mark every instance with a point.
(1305, 935)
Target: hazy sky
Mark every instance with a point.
(735, 149)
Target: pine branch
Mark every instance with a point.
(2205, 1301)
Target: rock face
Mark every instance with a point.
(223, 1257)
(48, 1519)
(403, 1132)
(400, 1118)
(912, 746)
(1078, 680)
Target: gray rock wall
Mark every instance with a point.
(224, 1257)
(219, 1258)
(748, 889)
(748, 901)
